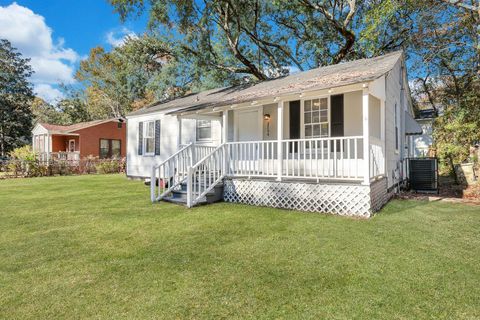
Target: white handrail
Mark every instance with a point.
(205, 175)
(171, 172)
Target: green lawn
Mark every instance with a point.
(95, 247)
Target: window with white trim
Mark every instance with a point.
(204, 130)
(149, 138)
(315, 118)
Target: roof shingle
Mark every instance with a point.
(73, 127)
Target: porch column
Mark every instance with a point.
(47, 146)
(179, 138)
(226, 154)
(279, 140)
(366, 138)
(225, 126)
(34, 143)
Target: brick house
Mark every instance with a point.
(99, 138)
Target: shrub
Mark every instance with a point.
(24, 163)
(110, 166)
(87, 165)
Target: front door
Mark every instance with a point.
(248, 125)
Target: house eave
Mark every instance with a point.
(298, 95)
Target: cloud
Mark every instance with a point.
(116, 38)
(292, 69)
(29, 33)
(48, 93)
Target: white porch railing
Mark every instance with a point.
(322, 158)
(377, 158)
(62, 155)
(173, 171)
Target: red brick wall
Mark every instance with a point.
(90, 138)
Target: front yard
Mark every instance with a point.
(95, 247)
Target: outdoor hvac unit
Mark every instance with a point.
(423, 174)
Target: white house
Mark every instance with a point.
(422, 143)
(331, 139)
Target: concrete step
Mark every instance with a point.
(201, 185)
(180, 196)
(179, 201)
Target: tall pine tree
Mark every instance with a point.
(15, 98)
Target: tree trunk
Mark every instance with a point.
(2, 143)
(450, 160)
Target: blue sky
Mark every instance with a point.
(57, 34)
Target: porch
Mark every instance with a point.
(335, 134)
(322, 152)
(57, 147)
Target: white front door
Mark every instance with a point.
(248, 125)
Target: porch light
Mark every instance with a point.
(266, 117)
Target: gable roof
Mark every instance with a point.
(342, 74)
(75, 127)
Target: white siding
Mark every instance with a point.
(140, 165)
(394, 93)
(374, 120)
(422, 143)
(353, 113)
(272, 130)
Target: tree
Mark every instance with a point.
(130, 76)
(259, 38)
(15, 98)
(44, 112)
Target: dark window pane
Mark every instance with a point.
(116, 149)
(104, 147)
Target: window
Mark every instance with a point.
(396, 127)
(149, 138)
(315, 116)
(110, 148)
(119, 125)
(204, 130)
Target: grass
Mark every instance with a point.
(95, 247)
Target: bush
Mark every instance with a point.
(110, 166)
(24, 163)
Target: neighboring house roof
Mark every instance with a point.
(75, 127)
(320, 78)
(411, 126)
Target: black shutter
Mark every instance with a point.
(294, 114)
(336, 119)
(337, 115)
(157, 137)
(140, 138)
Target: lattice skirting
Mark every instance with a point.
(341, 199)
